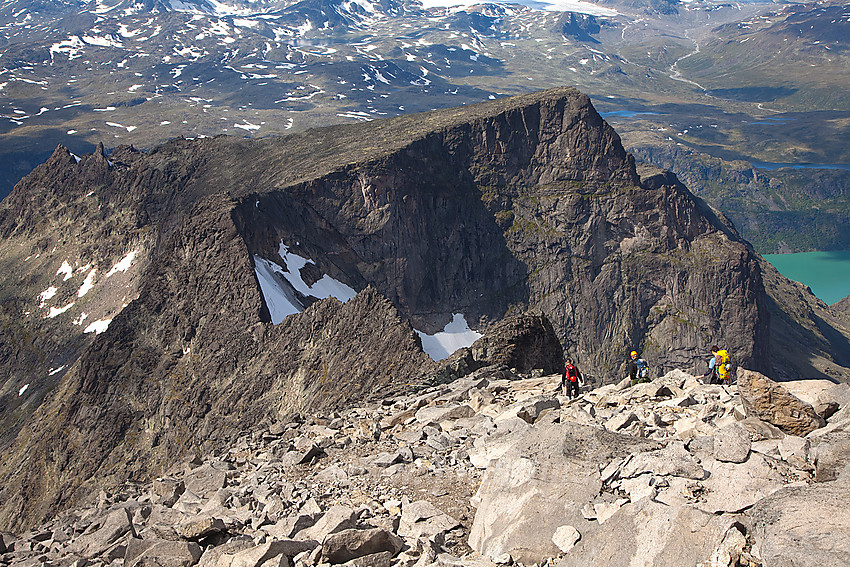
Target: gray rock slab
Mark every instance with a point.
(382, 559)
(533, 408)
(565, 537)
(804, 526)
(166, 491)
(552, 467)
(423, 519)
(199, 527)
(760, 430)
(338, 517)
(672, 460)
(277, 551)
(206, 480)
(650, 534)
(350, 544)
(222, 555)
(732, 444)
(621, 421)
(733, 487)
(444, 412)
(162, 553)
(117, 524)
(830, 453)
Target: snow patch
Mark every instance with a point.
(279, 298)
(455, 335)
(124, 264)
(66, 269)
(46, 295)
(247, 126)
(98, 326)
(56, 370)
(23, 389)
(277, 284)
(54, 311)
(88, 283)
(577, 6)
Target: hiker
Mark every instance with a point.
(711, 376)
(722, 365)
(638, 369)
(571, 380)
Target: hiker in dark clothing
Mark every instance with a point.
(571, 380)
(638, 369)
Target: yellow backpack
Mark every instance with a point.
(721, 363)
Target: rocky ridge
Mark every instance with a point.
(134, 326)
(497, 469)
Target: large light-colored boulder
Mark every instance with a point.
(338, 517)
(532, 409)
(206, 479)
(423, 519)
(162, 553)
(825, 396)
(350, 544)
(542, 483)
(650, 534)
(733, 487)
(804, 526)
(275, 552)
(830, 452)
(770, 402)
(566, 537)
(198, 527)
(760, 430)
(117, 524)
(672, 460)
(732, 444)
(444, 412)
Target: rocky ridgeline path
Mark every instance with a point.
(496, 468)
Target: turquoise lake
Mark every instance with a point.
(827, 273)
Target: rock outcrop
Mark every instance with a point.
(436, 482)
(770, 402)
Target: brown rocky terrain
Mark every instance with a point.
(135, 330)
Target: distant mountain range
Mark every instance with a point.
(684, 83)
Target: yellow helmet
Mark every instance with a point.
(633, 353)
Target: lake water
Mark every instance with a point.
(827, 273)
(771, 165)
(626, 114)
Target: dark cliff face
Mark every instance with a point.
(492, 210)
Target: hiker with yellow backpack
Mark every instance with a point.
(719, 367)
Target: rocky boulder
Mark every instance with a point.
(793, 526)
(770, 402)
(522, 342)
(553, 467)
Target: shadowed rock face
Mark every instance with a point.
(491, 210)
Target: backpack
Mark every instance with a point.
(572, 373)
(721, 364)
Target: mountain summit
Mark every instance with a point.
(160, 303)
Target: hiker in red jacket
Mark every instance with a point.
(571, 380)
